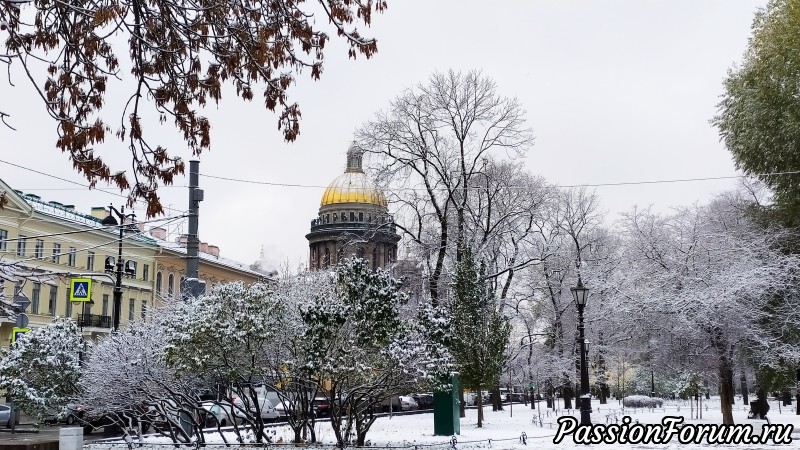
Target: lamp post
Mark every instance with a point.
(110, 221)
(581, 293)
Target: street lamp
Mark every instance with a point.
(653, 343)
(110, 221)
(581, 294)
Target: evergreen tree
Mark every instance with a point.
(480, 332)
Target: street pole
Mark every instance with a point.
(110, 221)
(193, 241)
(585, 400)
(652, 383)
(118, 283)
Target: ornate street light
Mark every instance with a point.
(110, 221)
(581, 294)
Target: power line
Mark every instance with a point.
(107, 228)
(621, 183)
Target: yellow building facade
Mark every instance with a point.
(43, 245)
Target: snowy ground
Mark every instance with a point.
(504, 429)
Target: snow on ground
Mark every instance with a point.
(502, 430)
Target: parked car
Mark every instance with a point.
(515, 397)
(268, 411)
(70, 413)
(424, 401)
(217, 413)
(408, 403)
(5, 416)
(321, 407)
(92, 421)
(470, 399)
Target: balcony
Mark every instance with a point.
(93, 320)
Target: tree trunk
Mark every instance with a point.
(786, 396)
(462, 412)
(743, 387)
(566, 392)
(479, 401)
(497, 402)
(726, 386)
(732, 393)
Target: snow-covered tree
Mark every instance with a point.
(126, 378)
(361, 352)
(706, 282)
(226, 336)
(40, 371)
(437, 137)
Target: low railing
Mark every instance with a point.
(94, 320)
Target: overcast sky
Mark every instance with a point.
(616, 91)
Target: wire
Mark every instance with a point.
(79, 184)
(621, 183)
(107, 228)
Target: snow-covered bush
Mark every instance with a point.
(642, 401)
(40, 371)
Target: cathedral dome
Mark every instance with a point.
(353, 186)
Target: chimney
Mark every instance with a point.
(158, 233)
(99, 212)
(183, 240)
(204, 247)
(213, 250)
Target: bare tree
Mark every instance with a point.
(430, 144)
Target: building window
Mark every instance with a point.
(144, 309)
(344, 216)
(56, 253)
(327, 218)
(21, 246)
(3, 240)
(171, 285)
(39, 249)
(51, 305)
(73, 253)
(352, 216)
(90, 261)
(360, 216)
(105, 304)
(158, 283)
(35, 294)
(146, 272)
(335, 217)
(327, 259)
(131, 309)
(68, 308)
(375, 258)
(360, 252)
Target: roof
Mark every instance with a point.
(218, 260)
(353, 187)
(55, 209)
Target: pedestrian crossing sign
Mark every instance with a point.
(80, 289)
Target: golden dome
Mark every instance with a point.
(352, 187)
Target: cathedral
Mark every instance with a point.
(353, 220)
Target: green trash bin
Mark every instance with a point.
(446, 414)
